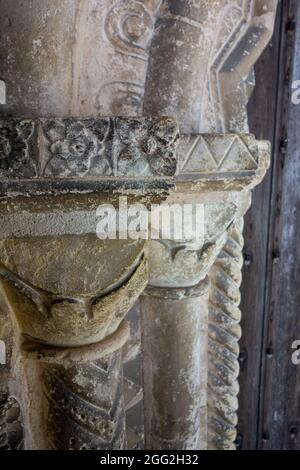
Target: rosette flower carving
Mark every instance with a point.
(147, 152)
(77, 148)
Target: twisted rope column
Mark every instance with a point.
(223, 341)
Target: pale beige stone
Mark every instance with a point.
(190, 59)
(201, 72)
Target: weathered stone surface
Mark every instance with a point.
(201, 72)
(86, 409)
(11, 431)
(66, 329)
(227, 158)
(175, 381)
(73, 58)
(223, 341)
(65, 148)
(133, 383)
(191, 59)
(51, 70)
(201, 59)
(69, 320)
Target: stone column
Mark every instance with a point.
(201, 72)
(67, 290)
(176, 376)
(50, 69)
(177, 320)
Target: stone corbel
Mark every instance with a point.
(67, 290)
(190, 310)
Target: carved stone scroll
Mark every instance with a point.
(74, 57)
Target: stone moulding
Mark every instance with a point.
(212, 162)
(101, 147)
(79, 355)
(42, 156)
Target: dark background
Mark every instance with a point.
(269, 416)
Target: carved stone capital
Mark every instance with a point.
(216, 171)
(189, 59)
(68, 290)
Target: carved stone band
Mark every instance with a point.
(227, 162)
(178, 293)
(79, 355)
(87, 148)
(96, 155)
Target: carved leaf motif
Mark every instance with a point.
(45, 149)
(16, 149)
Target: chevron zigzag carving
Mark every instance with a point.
(209, 153)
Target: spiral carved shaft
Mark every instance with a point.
(85, 405)
(223, 341)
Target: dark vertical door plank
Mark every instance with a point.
(262, 111)
(280, 387)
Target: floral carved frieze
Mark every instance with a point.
(74, 150)
(104, 147)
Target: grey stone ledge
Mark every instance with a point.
(69, 155)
